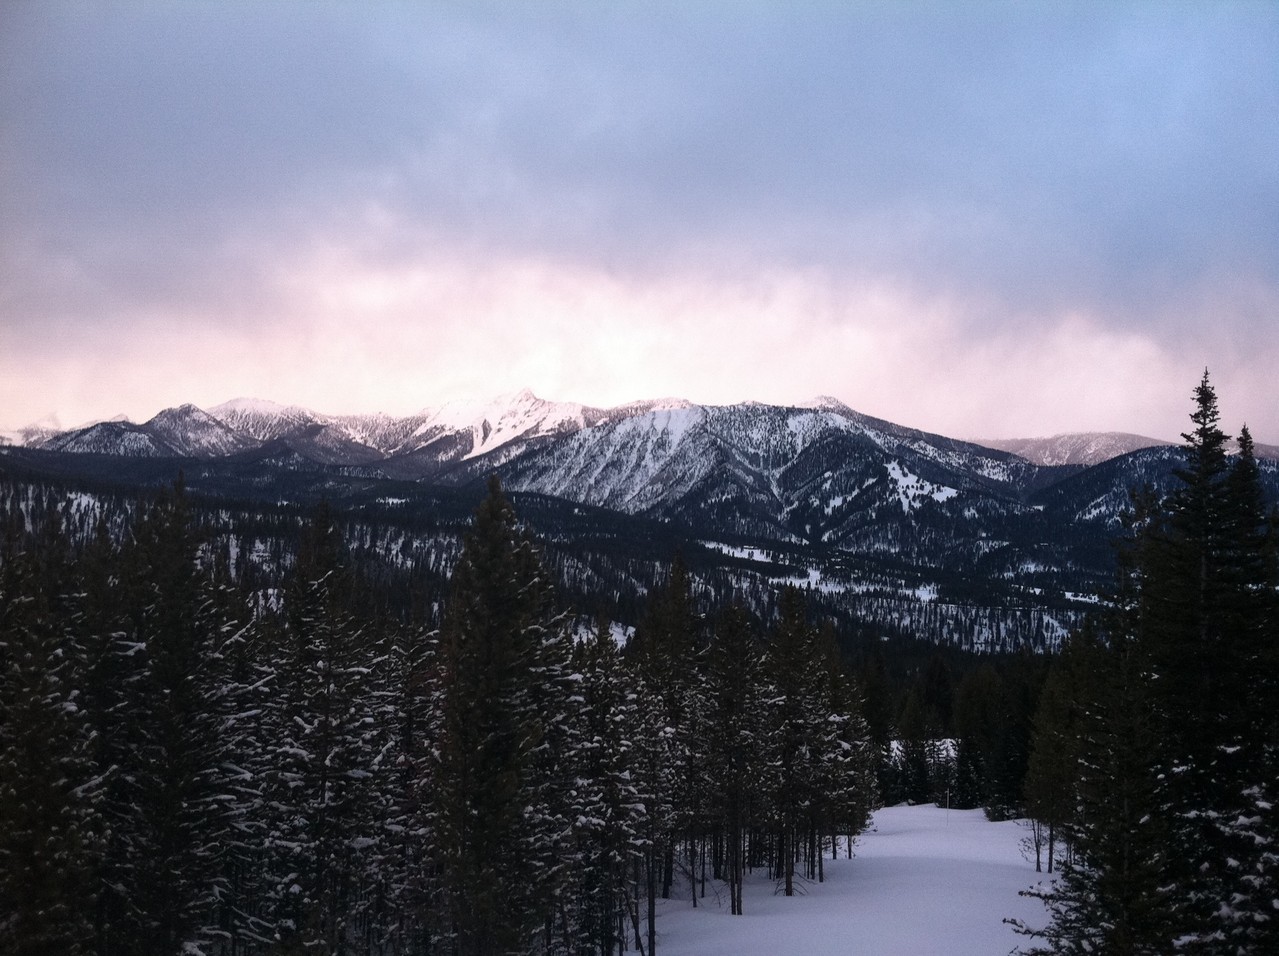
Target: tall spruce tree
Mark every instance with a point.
(1198, 601)
(49, 826)
(735, 705)
(662, 655)
(325, 741)
(166, 817)
(847, 788)
(1246, 898)
(608, 807)
(1051, 796)
(796, 718)
(1111, 895)
(1174, 834)
(495, 810)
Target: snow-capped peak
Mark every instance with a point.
(191, 430)
(507, 417)
(825, 403)
(262, 420)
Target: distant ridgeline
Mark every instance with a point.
(895, 532)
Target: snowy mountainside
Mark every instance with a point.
(327, 439)
(121, 439)
(599, 558)
(263, 420)
(797, 473)
(194, 433)
(1100, 495)
(1269, 452)
(901, 530)
(893, 531)
(465, 430)
(1073, 448)
(415, 445)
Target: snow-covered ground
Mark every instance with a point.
(922, 882)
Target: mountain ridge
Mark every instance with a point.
(1073, 448)
(513, 416)
(896, 528)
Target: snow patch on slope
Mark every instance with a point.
(912, 490)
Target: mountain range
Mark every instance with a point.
(815, 473)
(431, 441)
(920, 533)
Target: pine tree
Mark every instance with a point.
(662, 653)
(241, 694)
(49, 829)
(977, 726)
(846, 789)
(1203, 582)
(912, 762)
(116, 683)
(389, 908)
(1111, 893)
(496, 808)
(154, 689)
(324, 747)
(1245, 916)
(658, 751)
(796, 718)
(1051, 796)
(735, 704)
(1174, 834)
(607, 803)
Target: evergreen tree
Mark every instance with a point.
(324, 746)
(1199, 599)
(608, 806)
(1174, 832)
(846, 787)
(1009, 757)
(48, 824)
(977, 727)
(878, 710)
(1245, 917)
(155, 690)
(735, 704)
(914, 761)
(1051, 796)
(496, 810)
(1111, 894)
(662, 653)
(795, 718)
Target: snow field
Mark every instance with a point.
(923, 882)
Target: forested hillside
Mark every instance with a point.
(409, 721)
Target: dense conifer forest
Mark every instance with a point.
(317, 752)
(193, 763)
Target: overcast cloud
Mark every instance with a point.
(985, 220)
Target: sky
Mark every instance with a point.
(984, 220)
